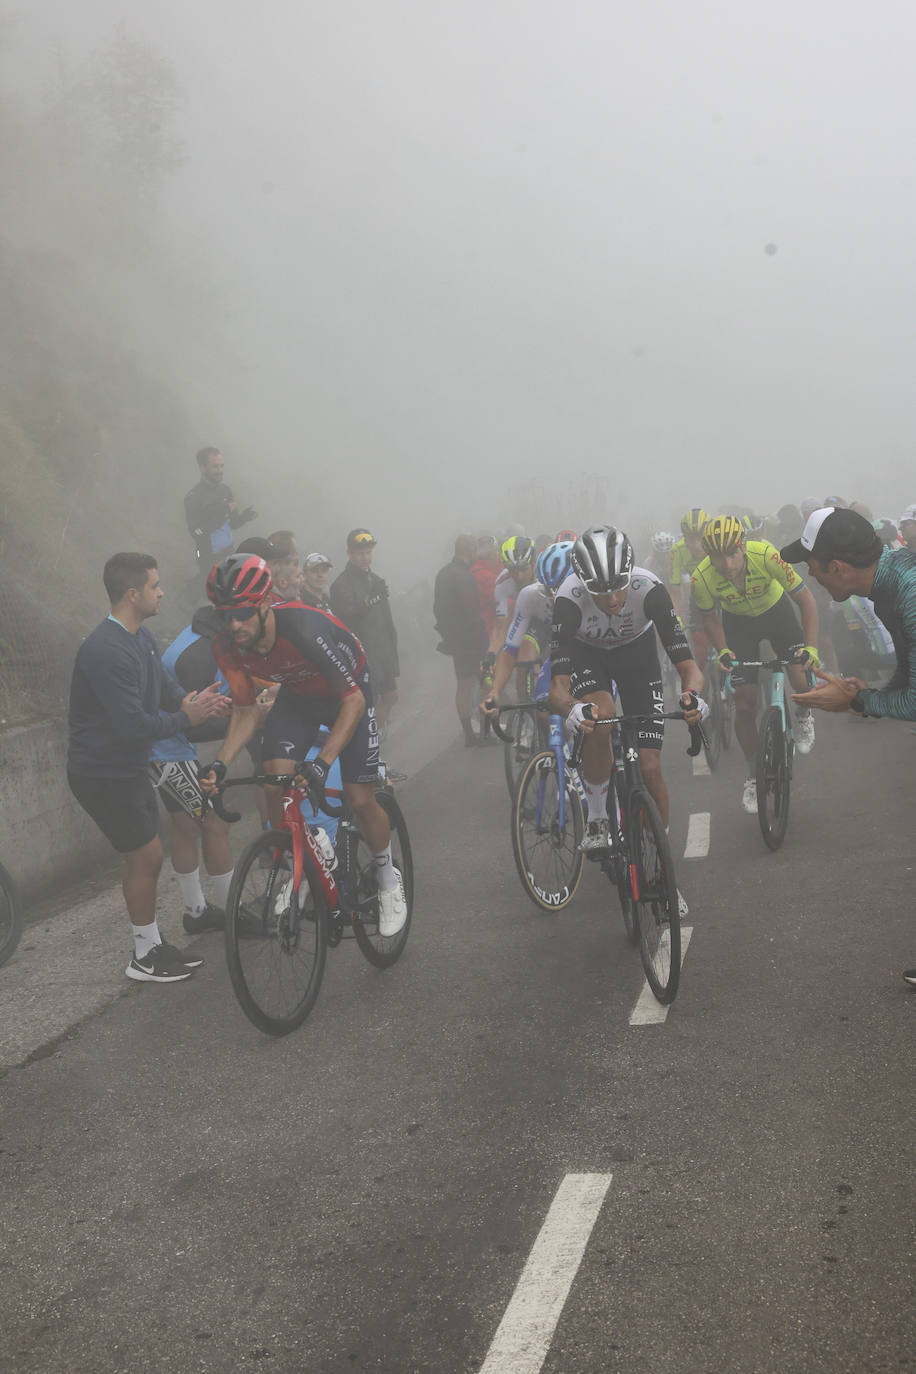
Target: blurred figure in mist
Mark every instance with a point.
(316, 571)
(907, 526)
(359, 597)
(485, 569)
(460, 625)
(284, 568)
(211, 512)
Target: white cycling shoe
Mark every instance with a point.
(392, 909)
(749, 796)
(683, 910)
(804, 733)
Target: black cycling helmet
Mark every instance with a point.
(242, 579)
(602, 559)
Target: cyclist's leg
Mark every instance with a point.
(639, 681)
(288, 734)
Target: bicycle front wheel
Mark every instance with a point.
(11, 918)
(276, 940)
(516, 755)
(383, 950)
(655, 896)
(547, 857)
(712, 732)
(772, 779)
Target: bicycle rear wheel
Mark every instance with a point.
(517, 754)
(772, 779)
(548, 859)
(382, 950)
(726, 716)
(11, 918)
(276, 940)
(655, 896)
(712, 731)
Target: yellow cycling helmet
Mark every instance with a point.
(723, 534)
(694, 520)
(517, 552)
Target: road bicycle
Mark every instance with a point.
(775, 752)
(11, 917)
(526, 741)
(294, 895)
(548, 823)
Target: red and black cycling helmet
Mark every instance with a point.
(242, 579)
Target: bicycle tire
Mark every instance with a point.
(712, 733)
(524, 746)
(773, 786)
(383, 950)
(727, 717)
(256, 932)
(656, 902)
(11, 916)
(621, 881)
(557, 854)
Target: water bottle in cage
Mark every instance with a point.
(325, 845)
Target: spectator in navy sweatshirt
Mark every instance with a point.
(121, 702)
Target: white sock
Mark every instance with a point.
(596, 792)
(802, 712)
(145, 938)
(385, 875)
(220, 884)
(191, 891)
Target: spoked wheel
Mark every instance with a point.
(655, 897)
(525, 743)
(548, 858)
(772, 779)
(10, 916)
(726, 716)
(382, 950)
(276, 940)
(712, 730)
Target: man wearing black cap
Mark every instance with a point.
(847, 557)
(359, 597)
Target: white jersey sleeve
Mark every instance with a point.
(533, 609)
(504, 594)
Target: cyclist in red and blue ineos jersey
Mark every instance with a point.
(321, 668)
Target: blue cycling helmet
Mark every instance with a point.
(554, 565)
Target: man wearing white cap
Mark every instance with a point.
(315, 573)
(845, 555)
(907, 526)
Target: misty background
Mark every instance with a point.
(421, 266)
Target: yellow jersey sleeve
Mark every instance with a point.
(781, 572)
(698, 586)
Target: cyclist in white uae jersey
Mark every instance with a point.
(532, 619)
(604, 615)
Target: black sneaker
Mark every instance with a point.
(909, 976)
(159, 966)
(182, 956)
(211, 918)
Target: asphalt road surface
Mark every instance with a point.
(475, 1162)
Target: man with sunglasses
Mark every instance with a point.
(324, 681)
(604, 616)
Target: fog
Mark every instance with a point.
(457, 250)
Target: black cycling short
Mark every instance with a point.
(743, 634)
(292, 727)
(124, 809)
(635, 669)
(467, 664)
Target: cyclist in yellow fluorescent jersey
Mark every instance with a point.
(751, 584)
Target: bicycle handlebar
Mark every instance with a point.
(215, 798)
(697, 738)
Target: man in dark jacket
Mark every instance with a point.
(211, 512)
(359, 597)
(460, 622)
(121, 702)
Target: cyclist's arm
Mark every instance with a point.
(714, 632)
(659, 608)
(567, 617)
(808, 608)
(243, 723)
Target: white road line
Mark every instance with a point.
(697, 836)
(523, 1336)
(649, 1012)
(700, 766)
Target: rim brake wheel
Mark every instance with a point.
(276, 941)
(656, 904)
(548, 859)
(382, 950)
(772, 779)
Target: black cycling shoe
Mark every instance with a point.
(211, 918)
(909, 976)
(181, 956)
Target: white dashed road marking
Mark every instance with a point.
(697, 846)
(523, 1337)
(700, 766)
(649, 1012)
